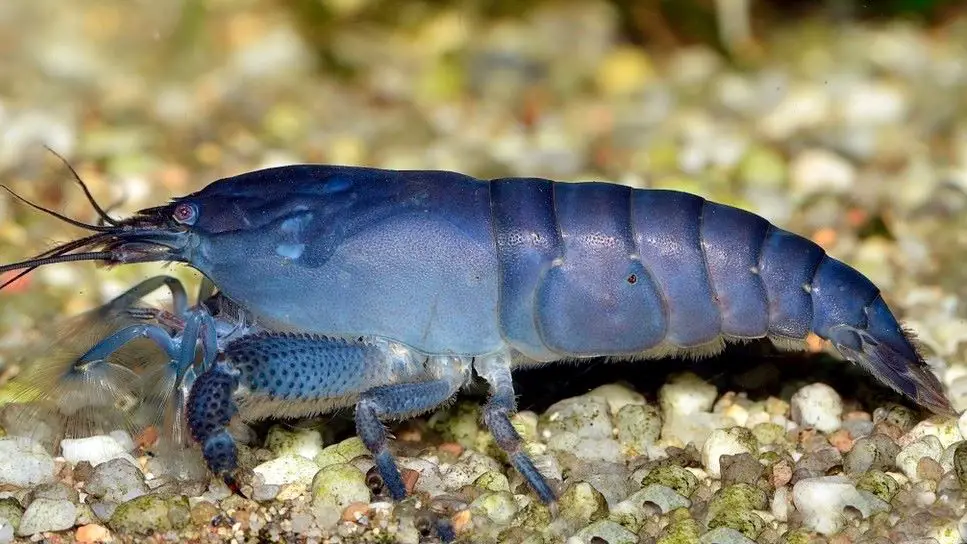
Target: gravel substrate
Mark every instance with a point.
(855, 136)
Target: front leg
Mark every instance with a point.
(272, 374)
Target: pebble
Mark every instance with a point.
(305, 443)
(740, 468)
(721, 442)
(24, 463)
(470, 466)
(94, 449)
(960, 464)
(617, 396)
(11, 512)
(581, 504)
(639, 426)
(606, 531)
(150, 513)
(725, 535)
(287, 469)
(342, 452)
(685, 394)
(821, 502)
(499, 507)
(338, 486)
(116, 481)
(92, 534)
(819, 406)
(944, 428)
(679, 479)
(44, 515)
(583, 417)
(909, 457)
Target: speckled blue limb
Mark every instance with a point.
(209, 409)
(395, 402)
(495, 369)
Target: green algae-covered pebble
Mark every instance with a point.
(639, 426)
(673, 476)
(737, 497)
(150, 513)
(681, 531)
(534, 516)
(746, 522)
(607, 530)
(342, 452)
(769, 433)
(339, 485)
(302, 442)
(11, 511)
(582, 502)
(878, 483)
(499, 507)
(492, 481)
(797, 536)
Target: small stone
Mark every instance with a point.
(746, 522)
(499, 507)
(203, 513)
(780, 473)
(338, 486)
(606, 531)
(92, 534)
(468, 468)
(860, 457)
(116, 481)
(305, 443)
(721, 442)
(896, 414)
(617, 396)
(818, 406)
(841, 440)
(94, 449)
(582, 503)
(738, 497)
(960, 464)
(686, 394)
(821, 171)
(680, 531)
(944, 428)
(909, 457)
(740, 468)
(24, 463)
(682, 481)
(44, 515)
(288, 469)
(356, 512)
(11, 512)
(341, 453)
(725, 535)
(822, 501)
(928, 469)
(768, 433)
(149, 514)
(584, 417)
(492, 481)
(639, 426)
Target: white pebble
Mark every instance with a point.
(821, 502)
(94, 449)
(962, 424)
(24, 463)
(820, 171)
(287, 469)
(909, 457)
(817, 405)
(944, 428)
(722, 442)
(616, 395)
(686, 394)
(781, 501)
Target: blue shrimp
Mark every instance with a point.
(388, 290)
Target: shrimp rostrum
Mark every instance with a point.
(388, 290)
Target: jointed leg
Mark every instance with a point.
(501, 405)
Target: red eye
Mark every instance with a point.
(185, 213)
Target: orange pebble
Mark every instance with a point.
(410, 478)
(147, 437)
(814, 343)
(92, 534)
(461, 521)
(452, 448)
(355, 511)
(841, 440)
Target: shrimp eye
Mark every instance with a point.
(185, 213)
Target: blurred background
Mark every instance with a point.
(841, 120)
